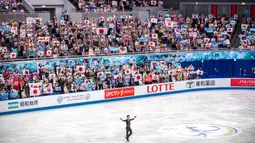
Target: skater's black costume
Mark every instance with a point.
(128, 127)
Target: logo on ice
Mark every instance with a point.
(160, 87)
(243, 82)
(115, 93)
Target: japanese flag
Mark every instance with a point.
(138, 77)
(101, 18)
(40, 53)
(100, 74)
(117, 77)
(35, 91)
(47, 38)
(186, 74)
(4, 49)
(194, 16)
(128, 71)
(154, 36)
(152, 44)
(47, 88)
(206, 40)
(171, 72)
(101, 31)
(80, 69)
(86, 22)
(40, 39)
(86, 81)
(56, 43)
(25, 72)
(168, 24)
(13, 55)
(153, 2)
(49, 52)
(162, 63)
(200, 72)
(154, 20)
(230, 30)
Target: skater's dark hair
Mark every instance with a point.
(128, 115)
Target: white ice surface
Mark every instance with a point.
(100, 123)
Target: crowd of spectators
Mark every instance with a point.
(113, 5)
(247, 37)
(113, 34)
(64, 77)
(7, 6)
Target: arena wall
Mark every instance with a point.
(92, 97)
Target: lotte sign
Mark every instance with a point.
(160, 87)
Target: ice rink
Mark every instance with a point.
(222, 116)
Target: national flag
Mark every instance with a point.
(128, 71)
(100, 74)
(206, 40)
(230, 30)
(56, 43)
(47, 88)
(35, 91)
(171, 72)
(162, 63)
(101, 18)
(200, 72)
(154, 20)
(4, 49)
(80, 69)
(40, 53)
(101, 31)
(152, 44)
(153, 2)
(86, 22)
(25, 72)
(168, 24)
(13, 55)
(195, 16)
(49, 52)
(40, 39)
(47, 38)
(138, 77)
(154, 36)
(116, 77)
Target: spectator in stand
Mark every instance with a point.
(247, 37)
(114, 34)
(85, 75)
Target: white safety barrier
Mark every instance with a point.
(71, 99)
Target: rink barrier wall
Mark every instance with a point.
(94, 97)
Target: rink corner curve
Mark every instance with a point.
(85, 98)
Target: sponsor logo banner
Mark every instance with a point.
(242, 82)
(73, 98)
(122, 92)
(22, 104)
(160, 87)
(200, 83)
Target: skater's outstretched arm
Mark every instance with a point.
(122, 120)
(133, 118)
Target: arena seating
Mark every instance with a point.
(11, 6)
(113, 35)
(247, 37)
(112, 5)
